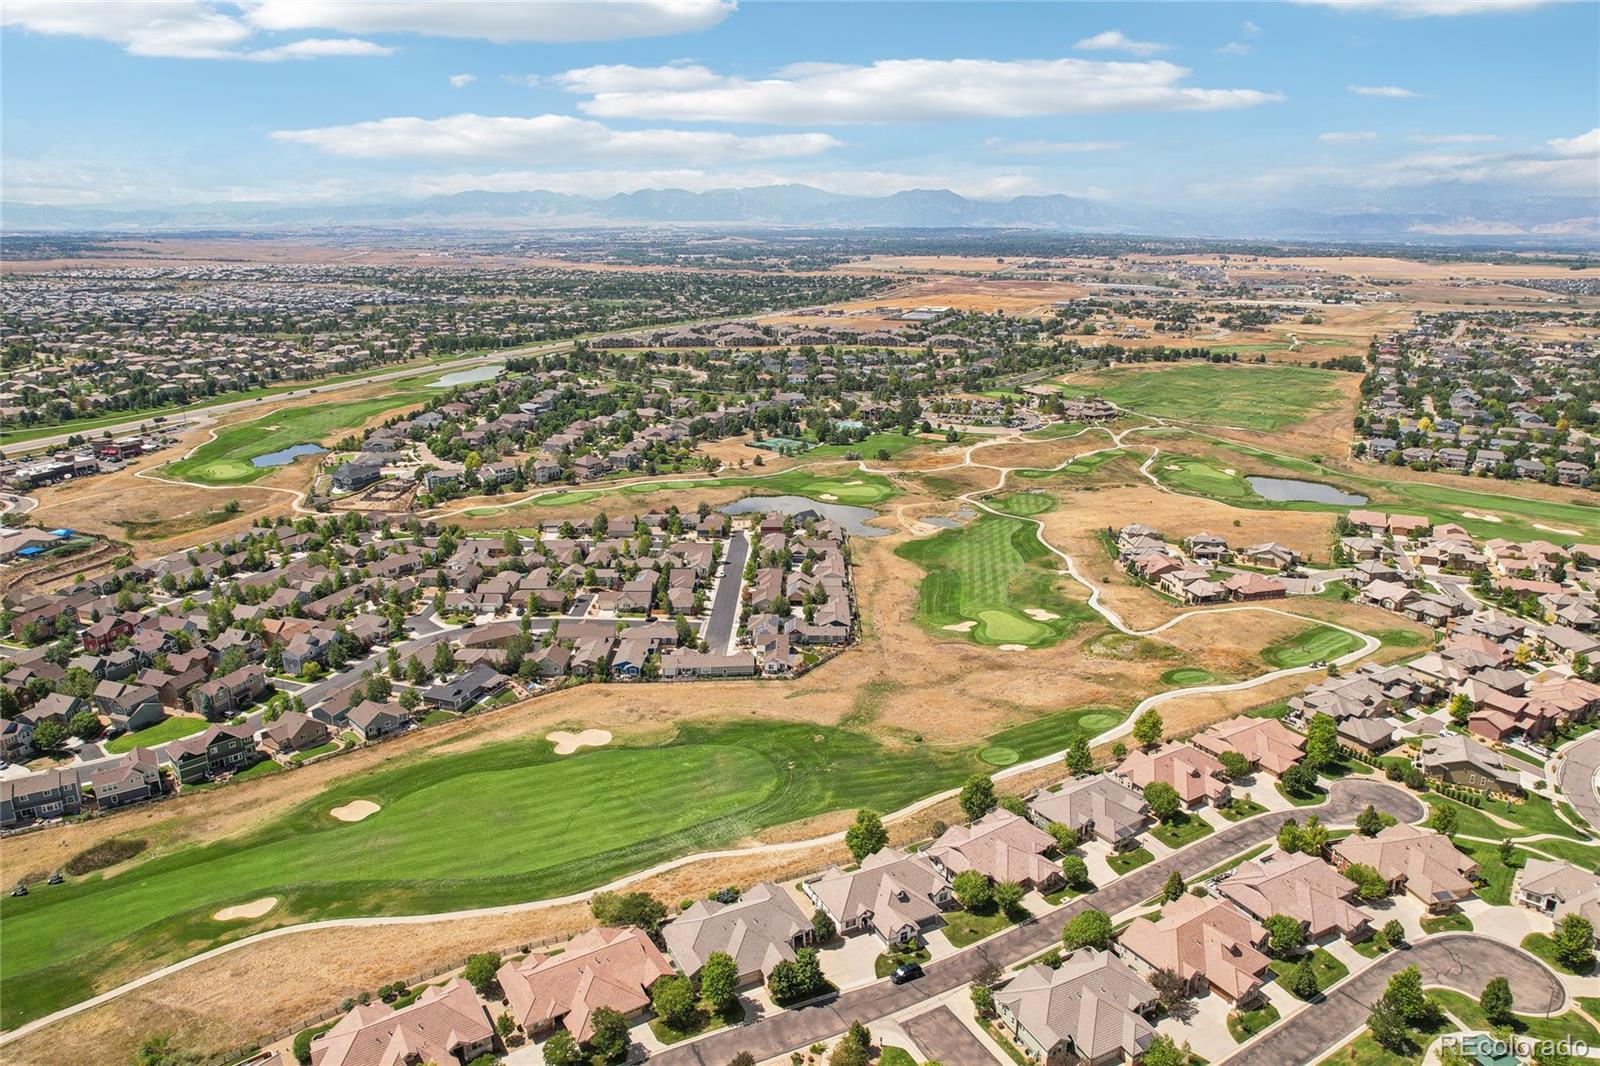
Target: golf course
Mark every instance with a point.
(1313, 644)
(1248, 396)
(850, 487)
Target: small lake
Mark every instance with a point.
(941, 521)
(1286, 489)
(285, 456)
(469, 377)
(852, 520)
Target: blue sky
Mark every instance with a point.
(1168, 104)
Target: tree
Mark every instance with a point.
(849, 1053)
(1148, 728)
(444, 660)
(1235, 764)
(866, 834)
(743, 1058)
(1303, 980)
(973, 890)
(49, 735)
(1012, 802)
(1574, 937)
(1369, 822)
(1496, 1001)
(1322, 741)
(1119, 751)
(1172, 991)
(1388, 1027)
(562, 1050)
(1066, 837)
(1285, 935)
(1313, 836)
(719, 980)
(1393, 932)
(1370, 884)
(609, 1039)
(638, 909)
(672, 998)
(480, 971)
(1163, 1051)
(85, 725)
(1173, 890)
(1008, 896)
(822, 927)
(1163, 799)
(1444, 820)
(977, 796)
(1074, 871)
(1091, 929)
(1299, 780)
(1404, 993)
(1079, 761)
(983, 1001)
(1289, 836)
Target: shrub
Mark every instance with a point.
(104, 854)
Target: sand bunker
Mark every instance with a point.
(857, 481)
(1559, 529)
(830, 497)
(253, 909)
(961, 627)
(1483, 517)
(1230, 471)
(566, 743)
(1039, 614)
(1174, 466)
(355, 810)
(1013, 647)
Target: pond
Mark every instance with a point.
(469, 377)
(1287, 489)
(852, 520)
(285, 456)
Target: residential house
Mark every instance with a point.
(761, 929)
(466, 690)
(1098, 806)
(1266, 742)
(293, 732)
(598, 968)
(38, 796)
(895, 895)
(1558, 888)
(1302, 887)
(1002, 846)
(133, 778)
(371, 720)
(446, 1024)
(222, 748)
(1418, 861)
(1196, 774)
(1206, 942)
(1462, 761)
(1092, 1009)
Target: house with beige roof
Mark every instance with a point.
(1302, 887)
(1099, 806)
(760, 930)
(599, 968)
(1266, 742)
(1002, 846)
(1460, 760)
(1418, 861)
(446, 1024)
(895, 895)
(1207, 942)
(1196, 774)
(1093, 1009)
(1558, 889)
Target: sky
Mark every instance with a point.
(1321, 102)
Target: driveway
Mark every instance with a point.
(1579, 762)
(942, 1037)
(1463, 961)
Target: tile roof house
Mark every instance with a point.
(1099, 806)
(894, 895)
(1558, 889)
(1301, 886)
(1093, 1009)
(1002, 846)
(761, 929)
(1266, 742)
(1460, 760)
(1197, 775)
(599, 968)
(445, 1025)
(1205, 942)
(1419, 861)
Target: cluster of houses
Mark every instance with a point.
(1524, 411)
(1205, 569)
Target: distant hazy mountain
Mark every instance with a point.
(1448, 215)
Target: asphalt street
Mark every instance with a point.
(725, 605)
(1577, 772)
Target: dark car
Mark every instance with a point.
(905, 973)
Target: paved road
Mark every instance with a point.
(1579, 763)
(940, 1036)
(725, 607)
(1463, 961)
(785, 1031)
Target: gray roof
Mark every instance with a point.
(758, 930)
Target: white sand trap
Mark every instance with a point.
(1039, 614)
(566, 743)
(1013, 647)
(1174, 466)
(355, 810)
(961, 627)
(857, 481)
(254, 909)
(830, 497)
(1559, 529)
(1480, 517)
(1230, 471)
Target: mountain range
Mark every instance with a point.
(1437, 215)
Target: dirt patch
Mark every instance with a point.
(566, 743)
(254, 909)
(355, 811)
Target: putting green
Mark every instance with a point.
(999, 755)
(1188, 675)
(1025, 503)
(1098, 721)
(1310, 645)
(1008, 627)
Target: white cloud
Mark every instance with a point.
(900, 90)
(556, 138)
(1347, 137)
(1248, 28)
(1117, 41)
(172, 29)
(461, 81)
(1410, 9)
(1582, 144)
(1453, 138)
(1393, 92)
(1000, 144)
(319, 48)
(1235, 48)
(551, 21)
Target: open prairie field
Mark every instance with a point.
(1257, 397)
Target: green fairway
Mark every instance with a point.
(1024, 504)
(169, 728)
(1051, 733)
(501, 824)
(1201, 477)
(991, 572)
(227, 459)
(852, 487)
(1310, 645)
(1264, 397)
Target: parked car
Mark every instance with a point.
(905, 973)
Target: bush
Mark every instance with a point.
(106, 853)
(302, 1041)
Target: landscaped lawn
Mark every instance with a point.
(1496, 875)
(169, 728)
(1275, 709)
(430, 848)
(1533, 815)
(1365, 1051)
(1465, 1009)
(1371, 947)
(1124, 861)
(1263, 397)
(1590, 1005)
(311, 753)
(1242, 807)
(885, 964)
(963, 927)
(1543, 946)
(1317, 796)
(705, 1020)
(264, 768)
(989, 573)
(1310, 645)
(1328, 969)
(1183, 828)
(1243, 1024)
